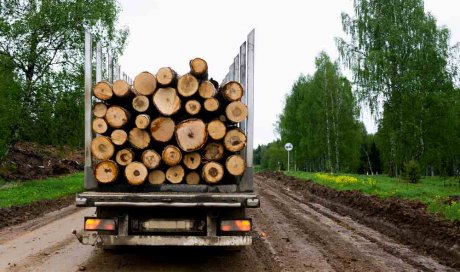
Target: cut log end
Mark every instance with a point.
(103, 90)
(166, 76)
(157, 177)
(171, 155)
(124, 157)
(142, 121)
(199, 67)
(175, 174)
(207, 90)
(211, 104)
(236, 111)
(139, 138)
(193, 107)
(191, 134)
(187, 85)
(119, 137)
(192, 160)
(102, 148)
(141, 103)
(145, 83)
(214, 151)
(235, 140)
(116, 116)
(192, 178)
(167, 101)
(106, 172)
(216, 129)
(99, 110)
(235, 165)
(151, 159)
(232, 91)
(136, 173)
(121, 88)
(212, 172)
(162, 129)
(99, 125)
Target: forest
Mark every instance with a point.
(403, 66)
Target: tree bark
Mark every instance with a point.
(119, 137)
(106, 171)
(191, 134)
(166, 76)
(162, 129)
(124, 157)
(99, 109)
(145, 83)
(216, 129)
(214, 151)
(187, 85)
(235, 140)
(212, 172)
(236, 111)
(141, 103)
(235, 165)
(151, 159)
(167, 101)
(139, 138)
(157, 177)
(103, 90)
(99, 125)
(117, 116)
(121, 88)
(211, 104)
(192, 160)
(193, 107)
(232, 91)
(171, 155)
(102, 148)
(136, 173)
(175, 174)
(207, 90)
(142, 121)
(192, 178)
(199, 68)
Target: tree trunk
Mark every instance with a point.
(235, 140)
(139, 138)
(124, 157)
(199, 68)
(162, 129)
(102, 148)
(191, 134)
(171, 155)
(187, 85)
(235, 165)
(167, 101)
(214, 151)
(192, 160)
(141, 103)
(145, 83)
(216, 129)
(166, 76)
(103, 90)
(106, 171)
(157, 177)
(119, 137)
(121, 88)
(117, 116)
(142, 121)
(207, 90)
(99, 109)
(236, 111)
(99, 125)
(151, 159)
(192, 178)
(232, 91)
(175, 174)
(211, 104)
(212, 172)
(136, 173)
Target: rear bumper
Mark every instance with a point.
(87, 238)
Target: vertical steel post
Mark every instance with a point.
(110, 65)
(250, 98)
(98, 62)
(242, 79)
(236, 68)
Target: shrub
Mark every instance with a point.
(412, 171)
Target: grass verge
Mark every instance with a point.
(440, 196)
(26, 192)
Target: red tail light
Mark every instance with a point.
(100, 224)
(240, 225)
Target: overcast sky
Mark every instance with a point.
(289, 35)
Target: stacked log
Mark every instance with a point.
(168, 128)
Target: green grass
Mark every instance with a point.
(25, 192)
(432, 191)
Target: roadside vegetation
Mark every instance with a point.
(26, 192)
(440, 195)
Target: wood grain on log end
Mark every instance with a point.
(166, 76)
(232, 91)
(145, 83)
(139, 138)
(102, 148)
(212, 172)
(193, 107)
(142, 121)
(116, 116)
(157, 177)
(192, 160)
(198, 67)
(141, 103)
(106, 171)
(235, 165)
(191, 134)
(175, 174)
(121, 88)
(124, 157)
(162, 129)
(192, 178)
(99, 110)
(119, 137)
(236, 111)
(167, 101)
(207, 89)
(136, 173)
(235, 140)
(213, 151)
(99, 125)
(103, 90)
(187, 85)
(216, 129)
(171, 155)
(211, 104)
(151, 159)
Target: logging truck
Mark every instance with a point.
(168, 157)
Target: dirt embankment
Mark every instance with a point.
(407, 221)
(25, 161)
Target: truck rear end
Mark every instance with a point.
(171, 214)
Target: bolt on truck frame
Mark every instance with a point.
(170, 215)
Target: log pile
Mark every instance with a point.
(168, 128)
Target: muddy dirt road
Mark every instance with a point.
(291, 234)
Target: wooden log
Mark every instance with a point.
(145, 83)
(175, 174)
(191, 134)
(102, 148)
(139, 138)
(121, 88)
(211, 104)
(99, 109)
(236, 111)
(124, 157)
(235, 165)
(192, 160)
(142, 121)
(214, 151)
(192, 178)
(166, 76)
(232, 91)
(141, 103)
(216, 129)
(199, 68)
(223, 118)
(117, 116)
(157, 177)
(187, 85)
(234, 140)
(136, 173)
(171, 155)
(212, 172)
(103, 90)
(119, 137)
(162, 129)
(151, 159)
(167, 101)
(99, 125)
(193, 107)
(207, 89)
(106, 171)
